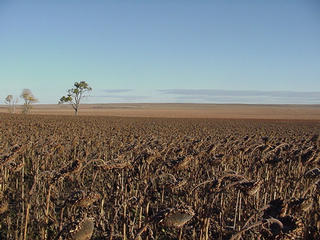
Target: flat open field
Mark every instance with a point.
(98, 177)
(233, 111)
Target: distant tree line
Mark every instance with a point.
(73, 97)
(27, 97)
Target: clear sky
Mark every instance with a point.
(162, 51)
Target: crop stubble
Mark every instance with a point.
(153, 178)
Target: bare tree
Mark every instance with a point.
(29, 99)
(11, 103)
(75, 95)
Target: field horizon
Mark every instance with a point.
(183, 110)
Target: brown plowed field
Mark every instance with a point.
(160, 178)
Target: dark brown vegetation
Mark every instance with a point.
(149, 178)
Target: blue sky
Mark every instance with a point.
(163, 51)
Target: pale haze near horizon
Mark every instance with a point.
(167, 51)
